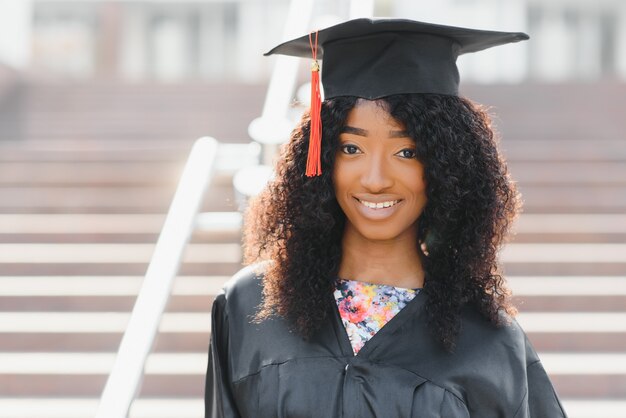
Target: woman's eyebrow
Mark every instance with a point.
(364, 132)
(398, 134)
(355, 131)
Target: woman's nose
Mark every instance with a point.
(376, 176)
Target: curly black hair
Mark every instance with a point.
(297, 223)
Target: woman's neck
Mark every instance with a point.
(394, 262)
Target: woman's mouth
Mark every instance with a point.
(377, 211)
(378, 205)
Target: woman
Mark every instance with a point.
(376, 290)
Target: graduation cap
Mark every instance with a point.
(374, 58)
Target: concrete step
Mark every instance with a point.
(28, 407)
(561, 253)
(96, 322)
(118, 293)
(577, 342)
(116, 304)
(573, 342)
(111, 269)
(125, 259)
(103, 341)
(124, 173)
(570, 303)
(103, 237)
(567, 172)
(573, 199)
(525, 156)
(95, 174)
(50, 286)
(563, 150)
(113, 253)
(590, 386)
(157, 386)
(578, 321)
(182, 364)
(138, 228)
(102, 158)
(21, 223)
(198, 237)
(81, 407)
(564, 269)
(189, 331)
(152, 199)
(72, 151)
(200, 303)
(571, 237)
(198, 322)
(182, 374)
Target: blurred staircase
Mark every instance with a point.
(566, 147)
(83, 195)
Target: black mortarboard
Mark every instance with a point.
(373, 58)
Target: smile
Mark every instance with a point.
(379, 205)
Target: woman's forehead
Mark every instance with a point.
(373, 114)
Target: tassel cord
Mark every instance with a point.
(314, 165)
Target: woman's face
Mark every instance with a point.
(378, 181)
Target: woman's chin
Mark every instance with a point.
(379, 233)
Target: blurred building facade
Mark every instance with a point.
(572, 40)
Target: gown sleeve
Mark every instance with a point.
(542, 399)
(218, 397)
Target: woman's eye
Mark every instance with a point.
(407, 153)
(349, 149)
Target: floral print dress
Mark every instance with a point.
(366, 307)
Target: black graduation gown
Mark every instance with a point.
(263, 370)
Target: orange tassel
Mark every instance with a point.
(313, 162)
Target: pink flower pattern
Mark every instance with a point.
(366, 307)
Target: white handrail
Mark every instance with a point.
(125, 378)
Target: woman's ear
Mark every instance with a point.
(424, 248)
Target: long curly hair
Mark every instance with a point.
(297, 223)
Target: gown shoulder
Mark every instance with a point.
(243, 292)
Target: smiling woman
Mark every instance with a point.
(373, 288)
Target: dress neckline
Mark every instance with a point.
(378, 284)
(365, 309)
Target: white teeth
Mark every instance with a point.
(380, 205)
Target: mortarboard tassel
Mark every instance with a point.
(313, 162)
